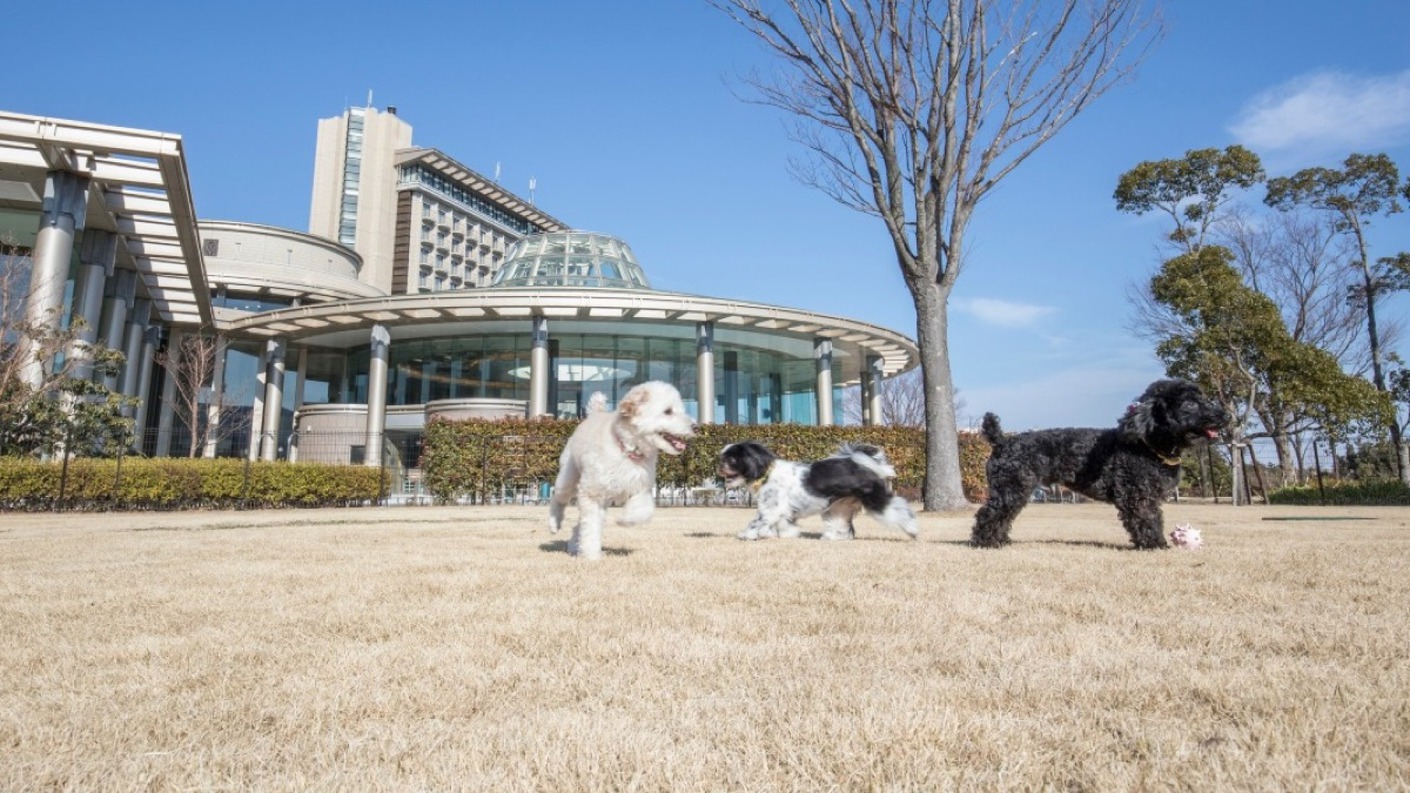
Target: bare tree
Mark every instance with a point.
(914, 110)
(199, 402)
(1302, 263)
(902, 401)
(1366, 187)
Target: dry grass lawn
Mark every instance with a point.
(461, 649)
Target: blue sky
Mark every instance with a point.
(624, 114)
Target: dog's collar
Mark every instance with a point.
(1173, 462)
(755, 484)
(633, 454)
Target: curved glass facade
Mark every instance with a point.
(605, 331)
(757, 379)
(571, 258)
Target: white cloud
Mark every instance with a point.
(1003, 312)
(1328, 112)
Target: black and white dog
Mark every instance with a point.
(838, 487)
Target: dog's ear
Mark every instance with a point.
(1139, 421)
(754, 459)
(632, 402)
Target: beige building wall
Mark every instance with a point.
(354, 187)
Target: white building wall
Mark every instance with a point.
(375, 184)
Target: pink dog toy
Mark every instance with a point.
(1186, 536)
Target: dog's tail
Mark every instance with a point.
(898, 514)
(597, 402)
(992, 431)
(872, 458)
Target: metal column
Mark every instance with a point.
(377, 394)
(822, 350)
(274, 352)
(96, 257)
(64, 210)
(705, 371)
(871, 392)
(538, 369)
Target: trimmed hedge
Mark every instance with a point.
(1343, 494)
(181, 483)
(476, 458)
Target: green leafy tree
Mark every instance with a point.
(913, 111)
(1290, 370)
(1235, 344)
(1300, 262)
(1192, 190)
(1367, 186)
(69, 409)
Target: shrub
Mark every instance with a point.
(173, 483)
(476, 458)
(1380, 493)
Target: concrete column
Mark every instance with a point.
(136, 331)
(538, 369)
(300, 379)
(300, 375)
(457, 366)
(731, 387)
(165, 414)
(705, 371)
(871, 392)
(377, 394)
(399, 384)
(146, 356)
(62, 216)
(119, 298)
(216, 405)
(428, 379)
(822, 351)
(274, 352)
(482, 388)
(97, 254)
(256, 411)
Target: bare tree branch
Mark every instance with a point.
(913, 110)
(198, 406)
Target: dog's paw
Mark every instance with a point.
(637, 510)
(748, 534)
(630, 518)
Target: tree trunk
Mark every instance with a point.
(1236, 469)
(944, 486)
(1374, 336)
(1287, 462)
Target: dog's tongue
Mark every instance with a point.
(1211, 433)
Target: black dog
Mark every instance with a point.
(840, 486)
(1134, 466)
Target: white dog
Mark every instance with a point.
(610, 460)
(853, 480)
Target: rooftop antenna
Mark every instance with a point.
(532, 184)
(369, 97)
(496, 173)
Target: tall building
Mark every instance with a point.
(421, 221)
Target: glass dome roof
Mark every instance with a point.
(571, 258)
